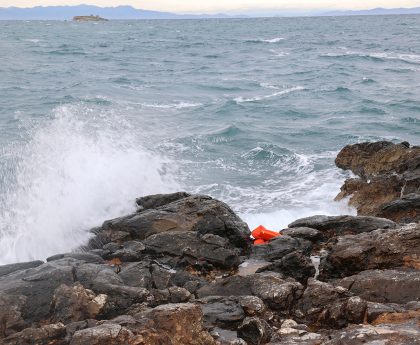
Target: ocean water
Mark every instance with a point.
(250, 111)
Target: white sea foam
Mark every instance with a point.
(273, 40)
(410, 58)
(75, 171)
(275, 94)
(179, 105)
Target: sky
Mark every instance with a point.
(213, 6)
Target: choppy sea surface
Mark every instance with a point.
(251, 111)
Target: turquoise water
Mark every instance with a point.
(251, 111)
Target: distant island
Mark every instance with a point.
(90, 18)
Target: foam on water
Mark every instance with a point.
(76, 170)
(275, 94)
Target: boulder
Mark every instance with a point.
(276, 292)
(305, 233)
(223, 312)
(323, 305)
(52, 334)
(332, 226)
(105, 334)
(158, 200)
(379, 249)
(75, 303)
(385, 286)
(255, 331)
(197, 213)
(279, 246)
(191, 248)
(11, 320)
(7, 269)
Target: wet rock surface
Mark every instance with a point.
(388, 183)
(182, 270)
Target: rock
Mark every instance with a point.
(309, 234)
(75, 303)
(325, 305)
(129, 251)
(388, 174)
(11, 320)
(197, 213)
(179, 294)
(252, 305)
(385, 286)
(294, 265)
(226, 337)
(332, 226)
(38, 285)
(86, 257)
(182, 323)
(394, 334)
(370, 159)
(255, 331)
(46, 335)
(221, 312)
(192, 248)
(377, 249)
(374, 310)
(105, 334)
(136, 274)
(279, 294)
(11, 268)
(404, 210)
(278, 247)
(158, 200)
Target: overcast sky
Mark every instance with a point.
(223, 5)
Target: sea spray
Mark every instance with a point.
(74, 171)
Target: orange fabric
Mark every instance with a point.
(261, 233)
(257, 242)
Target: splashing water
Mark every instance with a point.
(77, 170)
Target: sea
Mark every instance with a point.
(250, 111)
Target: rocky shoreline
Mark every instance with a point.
(183, 270)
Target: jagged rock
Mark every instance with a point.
(388, 174)
(252, 305)
(196, 213)
(221, 312)
(75, 303)
(38, 285)
(188, 245)
(7, 269)
(255, 331)
(136, 274)
(85, 257)
(105, 334)
(11, 319)
(226, 337)
(385, 286)
(370, 159)
(294, 265)
(325, 305)
(374, 310)
(377, 249)
(278, 293)
(182, 323)
(404, 210)
(393, 334)
(51, 334)
(278, 247)
(158, 200)
(128, 251)
(309, 234)
(332, 226)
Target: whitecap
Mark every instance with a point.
(179, 105)
(260, 98)
(274, 40)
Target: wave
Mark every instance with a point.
(179, 105)
(380, 56)
(74, 170)
(260, 98)
(271, 40)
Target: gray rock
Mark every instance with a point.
(7, 269)
(222, 312)
(309, 234)
(255, 331)
(158, 200)
(278, 247)
(385, 286)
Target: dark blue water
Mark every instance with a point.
(251, 111)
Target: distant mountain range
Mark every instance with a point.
(375, 11)
(68, 12)
(129, 12)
